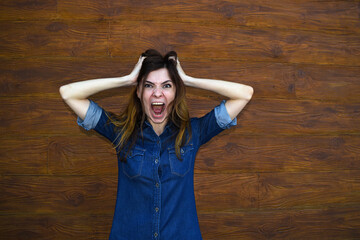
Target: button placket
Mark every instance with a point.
(157, 191)
(157, 202)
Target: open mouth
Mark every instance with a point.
(158, 108)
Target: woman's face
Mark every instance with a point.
(158, 93)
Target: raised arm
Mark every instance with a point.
(76, 94)
(239, 94)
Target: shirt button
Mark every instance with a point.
(156, 161)
(157, 185)
(182, 150)
(155, 234)
(156, 209)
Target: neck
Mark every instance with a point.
(158, 127)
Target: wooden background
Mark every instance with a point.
(289, 170)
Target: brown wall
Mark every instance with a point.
(289, 170)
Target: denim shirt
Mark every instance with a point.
(155, 195)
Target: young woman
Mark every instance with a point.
(156, 143)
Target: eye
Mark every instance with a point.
(168, 85)
(146, 85)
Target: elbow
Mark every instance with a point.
(248, 93)
(63, 92)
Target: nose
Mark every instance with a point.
(157, 92)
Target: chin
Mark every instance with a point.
(158, 120)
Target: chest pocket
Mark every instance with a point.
(134, 162)
(181, 167)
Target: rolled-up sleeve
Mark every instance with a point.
(92, 117)
(222, 116)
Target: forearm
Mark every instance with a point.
(234, 91)
(239, 94)
(75, 94)
(84, 89)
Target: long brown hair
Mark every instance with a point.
(132, 118)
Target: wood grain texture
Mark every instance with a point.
(226, 192)
(309, 190)
(58, 194)
(279, 154)
(94, 155)
(288, 170)
(235, 43)
(76, 38)
(27, 9)
(96, 194)
(270, 80)
(53, 38)
(61, 226)
(32, 159)
(86, 155)
(265, 117)
(295, 224)
(214, 192)
(329, 223)
(335, 17)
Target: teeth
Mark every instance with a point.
(157, 104)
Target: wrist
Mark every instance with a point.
(187, 80)
(127, 80)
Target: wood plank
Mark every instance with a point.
(340, 17)
(335, 17)
(92, 9)
(43, 116)
(261, 117)
(92, 155)
(277, 224)
(96, 194)
(290, 46)
(226, 192)
(270, 80)
(268, 117)
(279, 154)
(324, 84)
(309, 190)
(82, 155)
(28, 10)
(57, 194)
(24, 156)
(48, 226)
(62, 38)
(231, 192)
(89, 154)
(214, 192)
(332, 223)
(278, 80)
(19, 75)
(53, 38)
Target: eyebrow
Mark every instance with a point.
(165, 82)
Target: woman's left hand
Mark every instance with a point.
(239, 94)
(181, 72)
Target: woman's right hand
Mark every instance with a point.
(135, 72)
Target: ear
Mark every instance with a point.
(138, 92)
